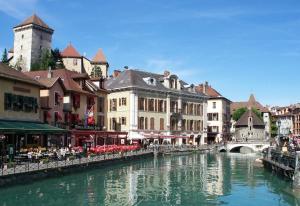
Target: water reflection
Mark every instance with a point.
(197, 179)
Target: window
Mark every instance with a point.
(74, 62)
(113, 105)
(161, 124)
(141, 104)
(22, 36)
(146, 123)
(21, 47)
(214, 105)
(213, 129)
(123, 101)
(160, 105)
(57, 98)
(151, 105)
(213, 116)
(141, 123)
(101, 104)
(152, 123)
(7, 101)
(123, 120)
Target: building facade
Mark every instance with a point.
(74, 61)
(250, 105)
(249, 127)
(20, 123)
(156, 107)
(218, 114)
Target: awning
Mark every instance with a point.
(20, 127)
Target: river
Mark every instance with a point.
(195, 179)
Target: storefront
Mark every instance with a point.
(21, 135)
(94, 137)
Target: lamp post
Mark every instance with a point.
(2, 138)
(278, 124)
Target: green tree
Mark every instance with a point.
(4, 57)
(238, 113)
(44, 62)
(96, 72)
(258, 113)
(274, 128)
(57, 59)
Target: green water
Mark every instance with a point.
(196, 179)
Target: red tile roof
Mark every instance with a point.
(208, 90)
(70, 51)
(10, 73)
(99, 57)
(66, 75)
(251, 103)
(34, 19)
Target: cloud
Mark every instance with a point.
(18, 9)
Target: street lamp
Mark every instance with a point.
(2, 138)
(278, 124)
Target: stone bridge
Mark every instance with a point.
(247, 146)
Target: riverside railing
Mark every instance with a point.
(12, 169)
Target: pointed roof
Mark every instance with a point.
(243, 121)
(99, 57)
(251, 103)
(252, 99)
(34, 19)
(70, 51)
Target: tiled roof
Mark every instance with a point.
(65, 75)
(130, 78)
(99, 57)
(49, 82)
(208, 90)
(34, 19)
(251, 103)
(243, 121)
(10, 73)
(70, 51)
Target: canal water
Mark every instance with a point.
(195, 179)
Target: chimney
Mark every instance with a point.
(205, 85)
(50, 73)
(166, 73)
(116, 73)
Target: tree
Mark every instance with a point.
(57, 59)
(96, 72)
(258, 113)
(4, 57)
(44, 62)
(238, 113)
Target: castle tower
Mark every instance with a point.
(99, 60)
(30, 38)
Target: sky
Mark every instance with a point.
(239, 46)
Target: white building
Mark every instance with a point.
(30, 37)
(218, 114)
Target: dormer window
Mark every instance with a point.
(150, 81)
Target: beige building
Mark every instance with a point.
(156, 107)
(74, 61)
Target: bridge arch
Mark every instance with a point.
(237, 148)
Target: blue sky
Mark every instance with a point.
(238, 46)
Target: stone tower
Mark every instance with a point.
(31, 37)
